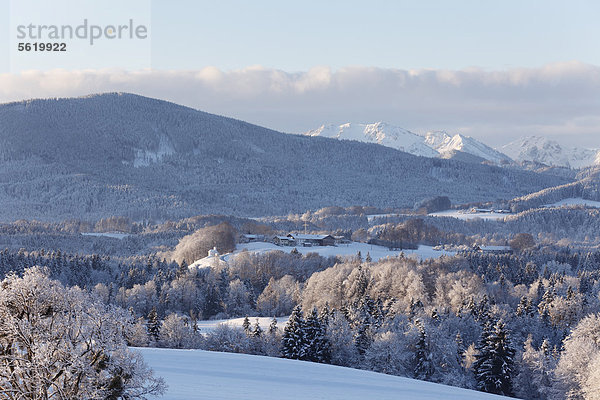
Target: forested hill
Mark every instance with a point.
(123, 154)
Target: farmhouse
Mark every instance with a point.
(284, 241)
(308, 240)
(493, 249)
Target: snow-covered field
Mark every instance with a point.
(468, 215)
(114, 235)
(575, 202)
(197, 374)
(372, 217)
(349, 250)
(264, 322)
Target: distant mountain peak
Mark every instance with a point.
(378, 132)
(550, 152)
(433, 144)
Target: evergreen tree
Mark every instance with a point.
(318, 345)
(422, 359)
(494, 365)
(246, 325)
(256, 329)
(183, 269)
(525, 308)
(273, 326)
(364, 325)
(153, 325)
(294, 343)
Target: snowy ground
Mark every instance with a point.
(264, 322)
(196, 374)
(350, 250)
(372, 217)
(575, 202)
(468, 215)
(114, 235)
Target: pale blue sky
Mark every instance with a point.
(295, 36)
(392, 34)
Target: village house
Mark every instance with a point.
(493, 249)
(284, 241)
(308, 240)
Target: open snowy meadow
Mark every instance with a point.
(197, 374)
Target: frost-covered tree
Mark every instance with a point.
(58, 343)
(176, 333)
(239, 299)
(341, 339)
(576, 371)
(535, 379)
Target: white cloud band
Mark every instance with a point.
(557, 99)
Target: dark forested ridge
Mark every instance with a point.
(123, 154)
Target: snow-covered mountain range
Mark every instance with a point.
(434, 144)
(449, 146)
(465, 148)
(549, 152)
(380, 133)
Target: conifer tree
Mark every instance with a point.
(494, 365)
(246, 325)
(318, 345)
(273, 326)
(256, 329)
(153, 325)
(422, 359)
(294, 344)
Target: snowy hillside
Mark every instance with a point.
(434, 144)
(196, 374)
(128, 155)
(380, 133)
(550, 152)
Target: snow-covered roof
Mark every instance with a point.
(494, 248)
(299, 236)
(283, 238)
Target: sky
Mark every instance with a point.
(492, 70)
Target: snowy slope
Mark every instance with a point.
(196, 374)
(380, 133)
(577, 201)
(550, 152)
(447, 145)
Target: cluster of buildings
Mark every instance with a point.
(299, 239)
